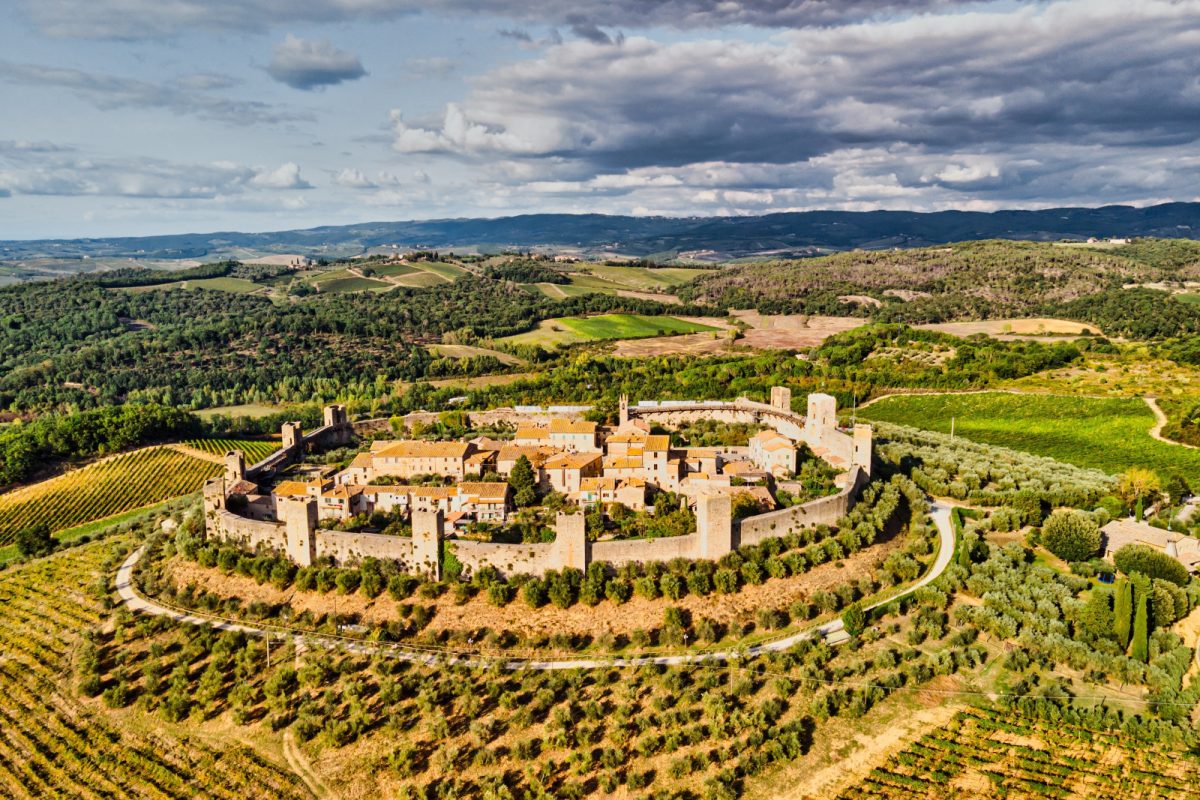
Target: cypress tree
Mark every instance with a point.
(1123, 612)
(1141, 629)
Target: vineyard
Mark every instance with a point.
(54, 745)
(99, 490)
(1002, 754)
(255, 450)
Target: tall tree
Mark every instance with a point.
(1141, 628)
(523, 484)
(1123, 612)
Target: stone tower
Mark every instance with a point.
(293, 436)
(862, 447)
(781, 398)
(714, 524)
(427, 527)
(299, 515)
(235, 466)
(336, 419)
(822, 412)
(570, 541)
(624, 409)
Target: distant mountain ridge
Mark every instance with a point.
(717, 238)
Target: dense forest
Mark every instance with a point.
(27, 447)
(74, 343)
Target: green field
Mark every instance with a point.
(255, 450)
(1109, 434)
(392, 270)
(234, 285)
(572, 330)
(450, 272)
(252, 410)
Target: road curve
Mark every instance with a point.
(832, 630)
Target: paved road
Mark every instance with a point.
(831, 631)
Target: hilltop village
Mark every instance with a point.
(445, 488)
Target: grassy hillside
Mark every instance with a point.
(1109, 434)
(973, 280)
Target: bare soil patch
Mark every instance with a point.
(1037, 327)
(689, 344)
(792, 331)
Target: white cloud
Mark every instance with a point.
(285, 176)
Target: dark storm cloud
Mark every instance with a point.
(1124, 76)
(130, 19)
(306, 64)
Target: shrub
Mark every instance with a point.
(1140, 558)
(1071, 535)
(854, 619)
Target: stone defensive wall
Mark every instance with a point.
(298, 536)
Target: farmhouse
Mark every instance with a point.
(774, 453)
(409, 458)
(1120, 532)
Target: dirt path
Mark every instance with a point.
(1160, 423)
(299, 764)
(196, 452)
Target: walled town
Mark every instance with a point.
(626, 468)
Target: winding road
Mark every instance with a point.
(831, 631)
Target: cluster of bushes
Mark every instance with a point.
(987, 475)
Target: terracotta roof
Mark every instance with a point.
(658, 443)
(572, 426)
(572, 461)
(597, 484)
(771, 440)
(362, 461)
(343, 492)
(738, 468)
(533, 432)
(415, 448)
(622, 462)
(627, 438)
(484, 457)
(537, 454)
(485, 490)
(433, 492)
(701, 452)
(242, 487)
(291, 489)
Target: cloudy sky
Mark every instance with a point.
(130, 117)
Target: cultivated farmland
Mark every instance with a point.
(255, 450)
(52, 744)
(1004, 754)
(571, 330)
(99, 490)
(1109, 434)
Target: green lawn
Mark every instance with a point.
(252, 410)
(234, 285)
(571, 330)
(1109, 434)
